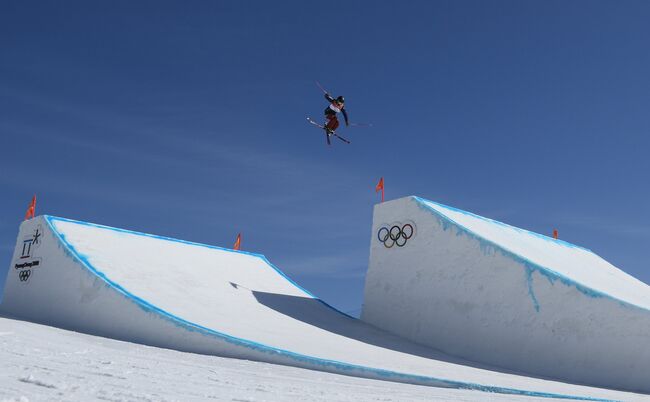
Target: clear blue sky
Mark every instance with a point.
(187, 119)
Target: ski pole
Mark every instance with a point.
(321, 87)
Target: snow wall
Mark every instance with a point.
(204, 299)
(492, 293)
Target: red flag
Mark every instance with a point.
(380, 186)
(237, 242)
(555, 233)
(31, 210)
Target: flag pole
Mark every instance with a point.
(380, 186)
(31, 209)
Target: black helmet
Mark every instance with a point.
(340, 99)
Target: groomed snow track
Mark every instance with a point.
(196, 298)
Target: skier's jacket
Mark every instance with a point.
(335, 108)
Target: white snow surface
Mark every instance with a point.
(40, 363)
(571, 261)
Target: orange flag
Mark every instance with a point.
(380, 186)
(31, 210)
(555, 234)
(237, 242)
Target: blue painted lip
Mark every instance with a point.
(549, 273)
(498, 223)
(325, 364)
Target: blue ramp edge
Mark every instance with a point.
(318, 363)
(530, 266)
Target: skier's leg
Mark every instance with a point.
(328, 121)
(332, 123)
(328, 117)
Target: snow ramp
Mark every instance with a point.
(203, 299)
(492, 293)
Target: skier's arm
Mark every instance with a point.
(329, 97)
(345, 115)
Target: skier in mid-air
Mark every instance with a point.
(336, 106)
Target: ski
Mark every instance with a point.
(341, 138)
(328, 134)
(309, 119)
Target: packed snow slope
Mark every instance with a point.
(41, 363)
(196, 298)
(493, 293)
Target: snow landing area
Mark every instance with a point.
(41, 363)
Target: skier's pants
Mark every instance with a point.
(332, 122)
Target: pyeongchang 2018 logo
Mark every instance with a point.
(27, 262)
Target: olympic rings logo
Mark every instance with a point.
(24, 275)
(395, 235)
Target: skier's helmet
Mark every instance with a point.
(340, 99)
